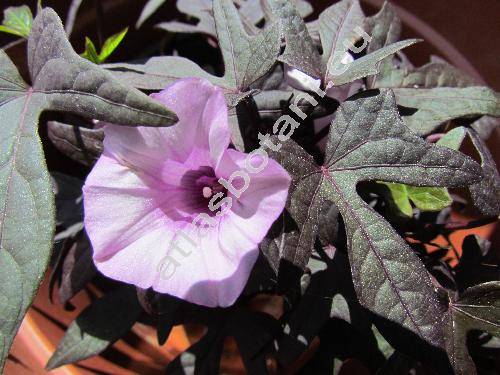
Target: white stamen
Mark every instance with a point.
(207, 192)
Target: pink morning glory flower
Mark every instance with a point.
(175, 208)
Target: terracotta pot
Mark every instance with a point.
(138, 352)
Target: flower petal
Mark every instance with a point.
(122, 205)
(207, 273)
(253, 213)
(200, 137)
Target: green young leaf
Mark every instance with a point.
(424, 198)
(90, 52)
(477, 309)
(428, 198)
(438, 105)
(17, 21)
(369, 141)
(246, 57)
(62, 81)
(107, 49)
(453, 139)
(97, 327)
(111, 44)
(399, 199)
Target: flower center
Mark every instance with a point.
(200, 187)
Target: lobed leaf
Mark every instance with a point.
(72, 84)
(198, 9)
(250, 11)
(369, 141)
(341, 25)
(62, 81)
(385, 29)
(246, 57)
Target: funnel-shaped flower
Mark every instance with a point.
(175, 209)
